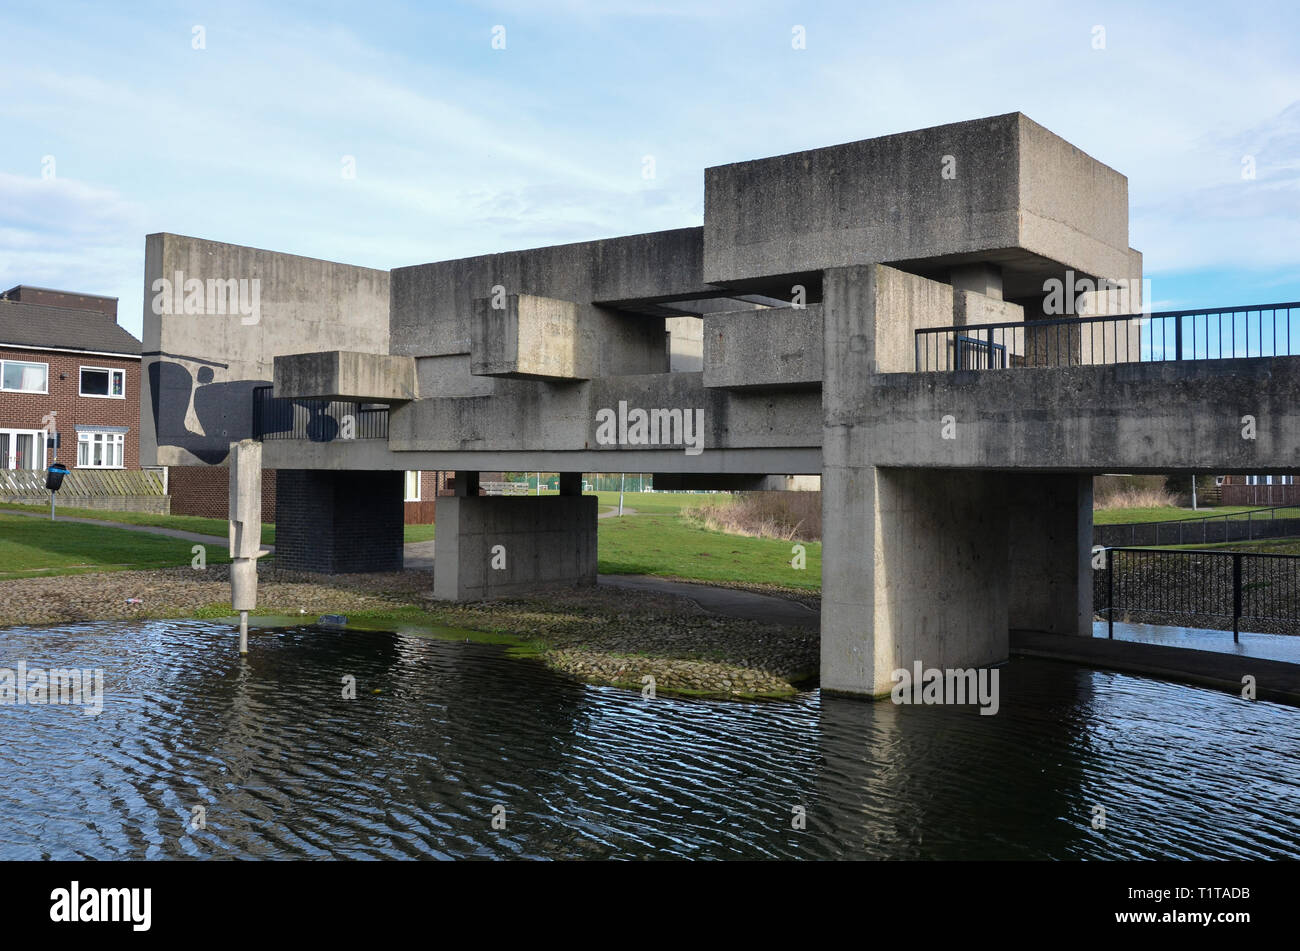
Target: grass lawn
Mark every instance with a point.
(1169, 513)
(184, 523)
(1269, 546)
(31, 547)
(664, 545)
(657, 503)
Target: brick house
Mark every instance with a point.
(66, 366)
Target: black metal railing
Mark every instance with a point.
(1277, 521)
(1257, 330)
(316, 420)
(1187, 588)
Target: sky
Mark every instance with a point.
(240, 122)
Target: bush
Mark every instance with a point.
(789, 516)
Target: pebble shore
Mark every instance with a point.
(601, 635)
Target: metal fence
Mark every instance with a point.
(316, 420)
(1188, 587)
(1278, 521)
(1256, 330)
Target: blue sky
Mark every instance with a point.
(461, 149)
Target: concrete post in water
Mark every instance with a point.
(245, 530)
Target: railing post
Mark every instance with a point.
(916, 349)
(1236, 596)
(1110, 593)
(1178, 338)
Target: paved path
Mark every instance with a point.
(725, 601)
(1274, 680)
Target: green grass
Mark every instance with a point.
(1270, 546)
(666, 546)
(1169, 513)
(657, 503)
(184, 523)
(31, 547)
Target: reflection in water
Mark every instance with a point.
(440, 732)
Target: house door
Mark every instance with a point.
(22, 449)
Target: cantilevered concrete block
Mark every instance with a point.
(1001, 190)
(776, 348)
(529, 337)
(346, 375)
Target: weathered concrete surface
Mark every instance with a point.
(345, 375)
(1014, 195)
(432, 304)
(495, 545)
(772, 348)
(199, 370)
(916, 571)
(531, 416)
(1139, 417)
(1050, 546)
(529, 337)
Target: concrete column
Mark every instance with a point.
(466, 484)
(339, 521)
(914, 562)
(1050, 553)
(570, 483)
(981, 278)
(497, 545)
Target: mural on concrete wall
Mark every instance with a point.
(215, 317)
(194, 412)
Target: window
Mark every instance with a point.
(1270, 480)
(24, 377)
(22, 449)
(99, 450)
(412, 486)
(102, 381)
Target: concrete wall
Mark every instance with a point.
(433, 304)
(544, 540)
(200, 369)
(1136, 417)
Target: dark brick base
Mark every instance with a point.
(338, 522)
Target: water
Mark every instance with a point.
(285, 768)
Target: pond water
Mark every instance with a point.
(443, 736)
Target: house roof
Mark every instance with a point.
(62, 328)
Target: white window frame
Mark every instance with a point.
(32, 362)
(406, 486)
(115, 441)
(9, 436)
(102, 396)
(1270, 480)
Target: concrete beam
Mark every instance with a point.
(346, 375)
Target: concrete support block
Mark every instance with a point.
(339, 521)
(1049, 563)
(531, 337)
(346, 375)
(773, 348)
(913, 569)
(490, 546)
